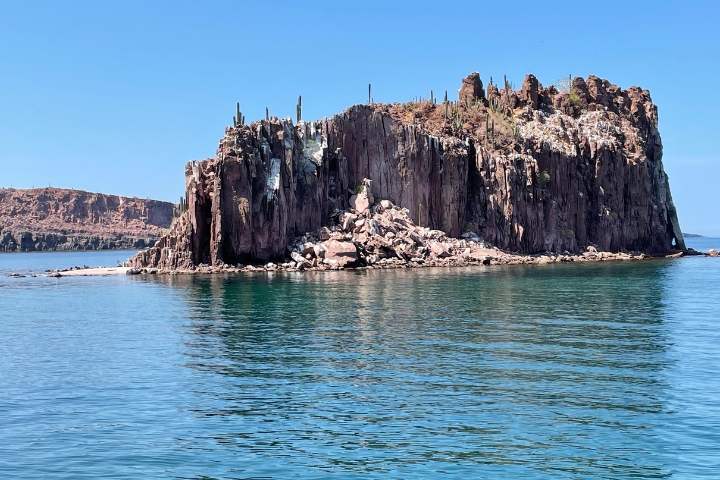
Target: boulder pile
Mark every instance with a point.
(384, 235)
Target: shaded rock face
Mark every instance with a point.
(62, 219)
(573, 174)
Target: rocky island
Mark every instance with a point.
(535, 175)
(63, 219)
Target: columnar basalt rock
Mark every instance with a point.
(558, 175)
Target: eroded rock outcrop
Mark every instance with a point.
(472, 88)
(62, 219)
(532, 171)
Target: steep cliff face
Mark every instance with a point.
(62, 219)
(528, 171)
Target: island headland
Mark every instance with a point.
(539, 174)
(44, 219)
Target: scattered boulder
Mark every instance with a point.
(341, 254)
(299, 259)
(439, 250)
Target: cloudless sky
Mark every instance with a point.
(116, 96)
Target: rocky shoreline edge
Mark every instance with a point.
(503, 259)
(382, 236)
(500, 258)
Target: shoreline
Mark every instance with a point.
(502, 259)
(506, 259)
(13, 252)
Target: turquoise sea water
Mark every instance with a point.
(607, 370)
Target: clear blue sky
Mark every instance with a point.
(115, 96)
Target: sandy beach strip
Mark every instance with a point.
(90, 272)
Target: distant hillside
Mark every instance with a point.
(62, 219)
(693, 235)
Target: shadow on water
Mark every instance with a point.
(552, 371)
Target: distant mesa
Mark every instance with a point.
(63, 219)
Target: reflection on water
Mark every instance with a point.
(379, 371)
(567, 371)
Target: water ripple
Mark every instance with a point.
(567, 371)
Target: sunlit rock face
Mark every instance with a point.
(528, 171)
(42, 219)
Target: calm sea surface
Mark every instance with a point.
(564, 371)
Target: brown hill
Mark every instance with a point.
(62, 219)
